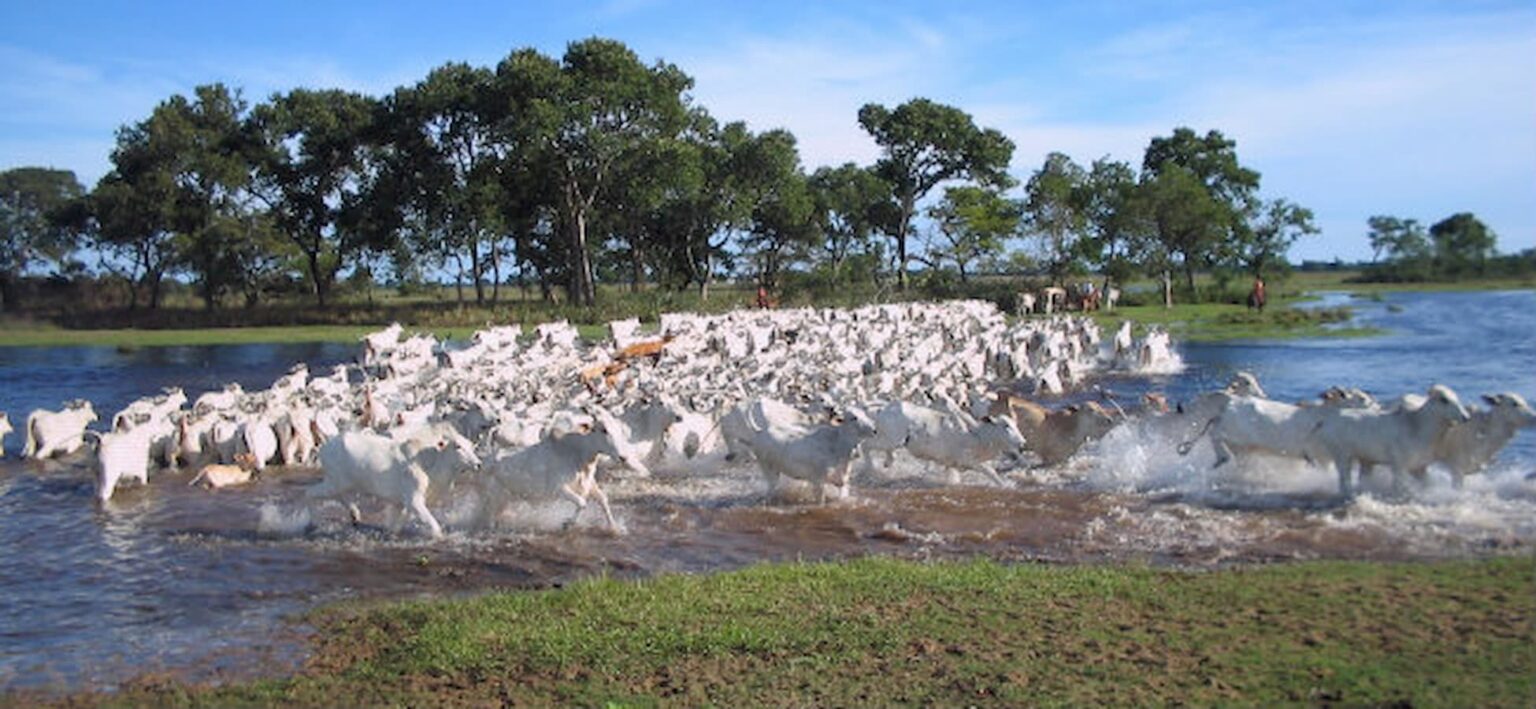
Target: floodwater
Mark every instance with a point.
(172, 578)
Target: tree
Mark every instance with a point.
(975, 223)
(1405, 244)
(851, 203)
(924, 144)
(1054, 210)
(1270, 232)
(1183, 219)
(314, 168)
(450, 129)
(581, 115)
(1463, 244)
(1199, 163)
(32, 230)
(1108, 204)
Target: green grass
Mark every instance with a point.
(29, 334)
(1212, 322)
(880, 632)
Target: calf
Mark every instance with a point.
(213, 477)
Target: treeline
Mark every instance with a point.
(559, 174)
(1458, 247)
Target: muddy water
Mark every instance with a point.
(172, 577)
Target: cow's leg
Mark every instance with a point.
(581, 503)
(602, 501)
(1346, 469)
(1001, 482)
(1223, 452)
(418, 505)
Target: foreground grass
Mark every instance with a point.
(882, 632)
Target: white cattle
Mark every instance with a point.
(258, 438)
(54, 432)
(1469, 447)
(819, 455)
(295, 431)
(222, 400)
(1111, 298)
(562, 465)
(125, 455)
(1403, 438)
(741, 423)
(944, 438)
(1123, 342)
(377, 465)
(5, 430)
(376, 344)
(1253, 425)
(150, 408)
(1024, 303)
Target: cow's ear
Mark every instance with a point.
(1491, 399)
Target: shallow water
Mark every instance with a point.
(172, 577)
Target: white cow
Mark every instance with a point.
(938, 437)
(219, 400)
(150, 408)
(562, 465)
(54, 432)
(1404, 438)
(1253, 425)
(819, 455)
(375, 344)
(5, 430)
(258, 438)
(1467, 448)
(125, 455)
(367, 462)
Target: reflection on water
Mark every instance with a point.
(177, 577)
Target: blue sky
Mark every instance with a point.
(1414, 109)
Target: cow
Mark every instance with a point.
(1469, 447)
(222, 400)
(1055, 436)
(5, 430)
(1402, 438)
(375, 344)
(377, 465)
(54, 432)
(819, 455)
(1111, 298)
(125, 455)
(563, 465)
(147, 409)
(218, 475)
(934, 436)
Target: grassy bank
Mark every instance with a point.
(1214, 322)
(882, 632)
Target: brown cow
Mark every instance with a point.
(1055, 436)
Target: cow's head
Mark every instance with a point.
(1446, 405)
(1508, 404)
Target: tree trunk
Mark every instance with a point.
(1167, 289)
(477, 267)
(1189, 280)
(584, 291)
(10, 298)
(495, 274)
(156, 289)
(636, 267)
(907, 208)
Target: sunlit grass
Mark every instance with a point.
(880, 632)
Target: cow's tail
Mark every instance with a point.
(1185, 447)
(30, 446)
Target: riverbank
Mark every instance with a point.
(1204, 322)
(883, 632)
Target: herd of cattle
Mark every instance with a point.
(803, 393)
